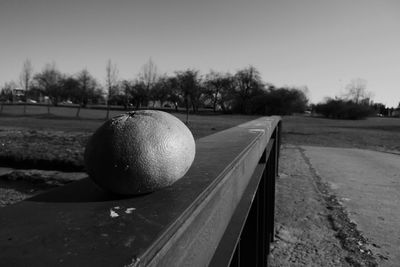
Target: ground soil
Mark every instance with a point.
(42, 149)
(19, 184)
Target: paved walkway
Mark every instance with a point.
(337, 207)
(367, 184)
(303, 234)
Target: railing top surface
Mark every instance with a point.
(81, 224)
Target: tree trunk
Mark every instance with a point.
(108, 111)
(78, 111)
(126, 101)
(193, 107)
(223, 108)
(187, 110)
(215, 104)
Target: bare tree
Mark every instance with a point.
(248, 83)
(219, 88)
(87, 85)
(149, 76)
(189, 84)
(162, 89)
(174, 92)
(357, 90)
(48, 81)
(111, 82)
(127, 87)
(139, 93)
(25, 78)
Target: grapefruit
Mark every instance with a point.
(139, 152)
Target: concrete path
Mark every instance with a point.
(303, 234)
(367, 184)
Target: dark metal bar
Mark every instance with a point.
(248, 252)
(243, 226)
(262, 208)
(257, 218)
(274, 173)
(268, 203)
(229, 245)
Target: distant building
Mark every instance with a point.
(18, 94)
(395, 112)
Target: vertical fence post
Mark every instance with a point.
(263, 219)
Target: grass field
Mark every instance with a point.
(380, 134)
(57, 141)
(64, 119)
(67, 111)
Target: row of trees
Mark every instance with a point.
(50, 82)
(242, 92)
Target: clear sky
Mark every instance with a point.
(322, 44)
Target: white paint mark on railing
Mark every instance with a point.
(129, 210)
(113, 214)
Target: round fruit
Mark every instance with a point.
(139, 152)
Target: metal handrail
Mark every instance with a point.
(220, 212)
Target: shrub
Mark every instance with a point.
(282, 101)
(342, 109)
